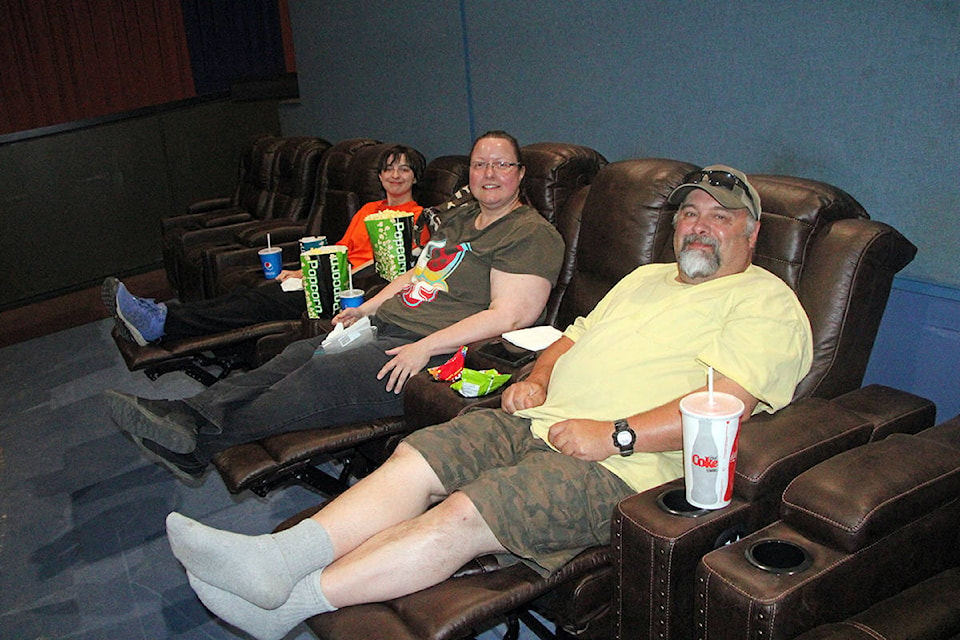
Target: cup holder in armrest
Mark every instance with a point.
(778, 556)
(674, 501)
(313, 327)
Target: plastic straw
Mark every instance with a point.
(268, 241)
(710, 384)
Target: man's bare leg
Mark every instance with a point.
(264, 569)
(407, 557)
(410, 556)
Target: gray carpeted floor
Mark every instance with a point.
(83, 554)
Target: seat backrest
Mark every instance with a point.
(441, 178)
(821, 242)
(332, 175)
(293, 182)
(554, 172)
(618, 223)
(256, 169)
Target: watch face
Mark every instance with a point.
(624, 438)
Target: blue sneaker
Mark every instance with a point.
(108, 296)
(142, 318)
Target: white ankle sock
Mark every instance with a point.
(306, 600)
(261, 569)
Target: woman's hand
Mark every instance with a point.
(408, 360)
(286, 275)
(522, 395)
(349, 315)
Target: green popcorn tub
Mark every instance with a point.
(326, 272)
(391, 236)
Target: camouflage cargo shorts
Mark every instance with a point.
(545, 507)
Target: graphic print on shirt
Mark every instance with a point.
(435, 265)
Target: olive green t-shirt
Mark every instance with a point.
(452, 276)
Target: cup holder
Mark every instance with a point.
(313, 327)
(779, 557)
(674, 501)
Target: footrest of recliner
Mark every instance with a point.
(271, 462)
(193, 366)
(459, 607)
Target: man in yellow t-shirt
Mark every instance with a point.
(597, 419)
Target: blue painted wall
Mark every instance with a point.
(865, 96)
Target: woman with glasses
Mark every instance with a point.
(488, 268)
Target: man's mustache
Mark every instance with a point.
(699, 239)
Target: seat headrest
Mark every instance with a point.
(794, 209)
(554, 171)
(441, 178)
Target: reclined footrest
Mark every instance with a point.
(196, 366)
(311, 476)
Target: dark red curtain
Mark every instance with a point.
(67, 60)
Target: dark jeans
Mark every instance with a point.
(300, 389)
(240, 308)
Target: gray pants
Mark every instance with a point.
(300, 389)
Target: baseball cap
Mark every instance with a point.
(725, 184)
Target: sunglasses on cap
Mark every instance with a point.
(718, 178)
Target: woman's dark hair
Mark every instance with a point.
(503, 135)
(414, 158)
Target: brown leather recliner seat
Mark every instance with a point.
(553, 171)
(287, 178)
(253, 180)
(814, 236)
(872, 533)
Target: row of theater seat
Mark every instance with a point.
(614, 217)
(288, 188)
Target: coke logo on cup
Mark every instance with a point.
(706, 463)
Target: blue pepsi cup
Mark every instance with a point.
(272, 260)
(351, 298)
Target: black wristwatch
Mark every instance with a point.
(623, 437)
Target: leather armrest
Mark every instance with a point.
(890, 410)
(427, 402)
(213, 235)
(208, 204)
(236, 256)
(775, 448)
(280, 231)
(226, 218)
(861, 495)
(195, 220)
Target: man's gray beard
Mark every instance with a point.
(697, 264)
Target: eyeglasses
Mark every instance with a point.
(498, 166)
(717, 178)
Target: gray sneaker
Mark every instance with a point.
(183, 466)
(169, 423)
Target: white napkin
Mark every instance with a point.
(340, 338)
(533, 338)
(292, 284)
